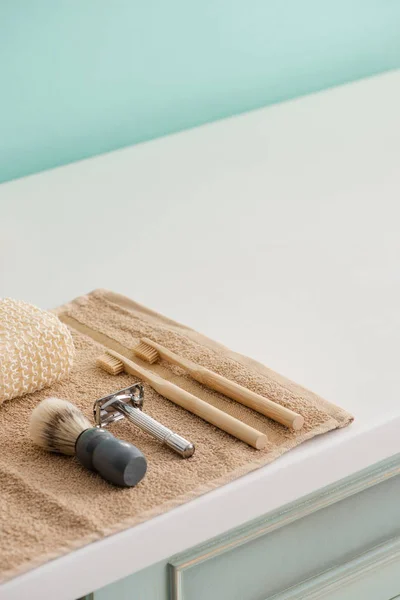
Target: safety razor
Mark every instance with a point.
(129, 403)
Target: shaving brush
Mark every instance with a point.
(59, 426)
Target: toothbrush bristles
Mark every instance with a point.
(146, 352)
(110, 363)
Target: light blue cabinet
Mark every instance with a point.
(341, 543)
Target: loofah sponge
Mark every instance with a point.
(36, 349)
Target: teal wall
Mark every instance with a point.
(82, 77)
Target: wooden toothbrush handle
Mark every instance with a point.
(195, 405)
(237, 392)
(233, 390)
(209, 413)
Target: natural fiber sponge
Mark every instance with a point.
(36, 349)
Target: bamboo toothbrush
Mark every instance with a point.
(151, 352)
(115, 363)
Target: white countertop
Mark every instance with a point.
(276, 233)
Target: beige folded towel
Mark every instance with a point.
(50, 505)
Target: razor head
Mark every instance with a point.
(104, 411)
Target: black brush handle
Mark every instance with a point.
(116, 461)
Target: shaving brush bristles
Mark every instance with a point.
(56, 424)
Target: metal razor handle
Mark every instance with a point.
(154, 428)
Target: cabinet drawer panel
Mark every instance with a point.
(343, 542)
(148, 584)
(266, 566)
(374, 575)
(380, 585)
